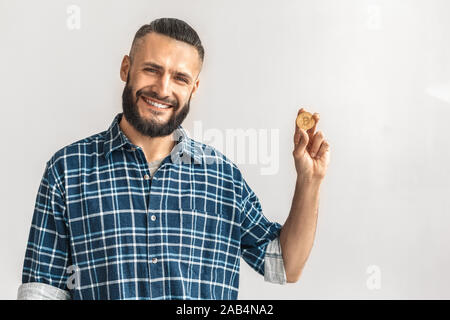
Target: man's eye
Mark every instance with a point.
(182, 79)
(150, 69)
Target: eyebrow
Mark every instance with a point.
(157, 66)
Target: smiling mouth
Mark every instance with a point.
(154, 104)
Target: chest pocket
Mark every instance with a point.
(195, 233)
(200, 224)
(201, 243)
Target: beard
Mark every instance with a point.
(151, 127)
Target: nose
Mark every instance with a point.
(163, 86)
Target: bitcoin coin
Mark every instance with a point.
(305, 120)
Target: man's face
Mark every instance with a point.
(164, 72)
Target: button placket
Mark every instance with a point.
(155, 174)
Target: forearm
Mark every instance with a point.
(297, 233)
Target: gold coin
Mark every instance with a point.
(305, 120)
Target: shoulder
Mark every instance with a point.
(70, 156)
(213, 159)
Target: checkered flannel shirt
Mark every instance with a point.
(104, 228)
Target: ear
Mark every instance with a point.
(125, 68)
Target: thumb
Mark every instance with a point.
(302, 142)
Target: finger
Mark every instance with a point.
(297, 134)
(302, 143)
(316, 118)
(324, 148)
(310, 131)
(317, 142)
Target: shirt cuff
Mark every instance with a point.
(41, 291)
(273, 263)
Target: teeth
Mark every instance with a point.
(158, 105)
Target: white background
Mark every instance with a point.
(378, 73)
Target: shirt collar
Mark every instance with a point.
(184, 150)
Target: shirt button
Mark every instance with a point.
(146, 177)
(153, 218)
(154, 260)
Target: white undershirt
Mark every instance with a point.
(153, 166)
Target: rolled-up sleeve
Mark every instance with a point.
(260, 239)
(47, 256)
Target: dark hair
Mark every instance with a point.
(174, 28)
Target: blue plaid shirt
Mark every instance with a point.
(104, 228)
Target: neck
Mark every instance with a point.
(155, 148)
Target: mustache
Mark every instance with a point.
(154, 95)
